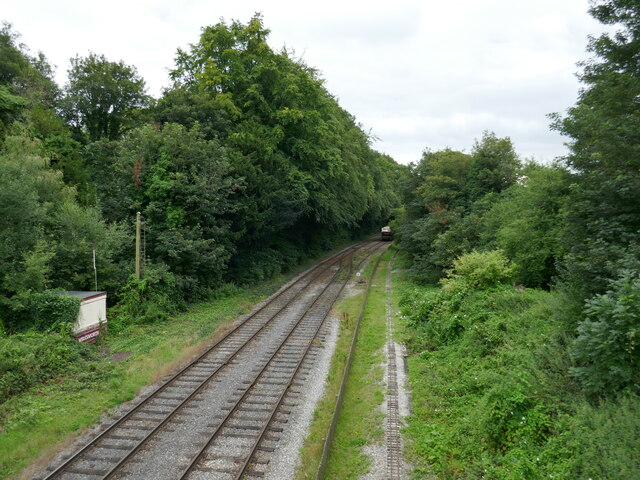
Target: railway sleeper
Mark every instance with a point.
(116, 447)
(95, 472)
(251, 409)
(273, 382)
(241, 426)
(136, 427)
(168, 396)
(94, 457)
(241, 435)
(212, 457)
(116, 436)
(153, 411)
(252, 418)
(264, 394)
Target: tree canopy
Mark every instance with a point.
(102, 98)
(243, 167)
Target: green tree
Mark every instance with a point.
(604, 221)
(46, 238)
(25, 80)
(308, 166)
(607, 351)
(495, 166)
(527, 222)
(103, 99)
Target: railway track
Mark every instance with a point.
(221, 415)
(393, 423)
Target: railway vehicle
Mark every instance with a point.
(385, 234)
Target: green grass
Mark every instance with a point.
(492, 398)
(360, 420)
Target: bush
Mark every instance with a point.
(509, 413)
(32, 358)
(607, 350)
(148, 300)
(481, 270)
(45, 311)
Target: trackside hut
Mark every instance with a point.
(92, 315)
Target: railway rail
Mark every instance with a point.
(228, 405)
(393, 424)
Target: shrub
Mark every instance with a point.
(32, 358)
(509, 413)
(607, 350)
(481, 270)
(44, 311)
(148, 300)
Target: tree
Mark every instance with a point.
(603, 224)
(25, 80)
(309, 170)
(495, 165)
(604, 221)
(46, 238)
(103, 99)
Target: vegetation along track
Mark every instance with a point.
(226, 404)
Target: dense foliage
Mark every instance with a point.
(526, 360)
(245, 166)
(490, 393)
(574, 225)
(32, 358)
(309, 174)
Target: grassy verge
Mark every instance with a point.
(33, 424)
(492, 398)
(360, 421)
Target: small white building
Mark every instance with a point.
(92, 315)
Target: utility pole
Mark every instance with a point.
(138, 246)
(95, 270)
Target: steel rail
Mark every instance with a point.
(67, 463)
(202, 385)
(278, 404)
(248, 389)
(214, 435)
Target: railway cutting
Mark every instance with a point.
(223, 415)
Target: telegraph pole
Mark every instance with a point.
(138, 246)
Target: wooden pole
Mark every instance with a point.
(138, 246)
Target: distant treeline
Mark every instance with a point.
(573, 226)
(242, 168)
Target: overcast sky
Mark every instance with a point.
(416, 74)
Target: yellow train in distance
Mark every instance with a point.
(385, 234)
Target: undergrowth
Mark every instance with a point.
(492, 395)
